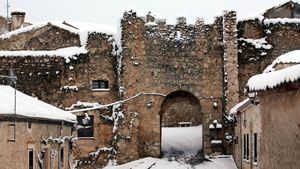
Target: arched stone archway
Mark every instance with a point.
(181, 124)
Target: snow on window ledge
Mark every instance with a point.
(246, 160)
(255, 163)
(100, 90)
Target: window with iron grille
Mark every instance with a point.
(99, 84)
(85, 130)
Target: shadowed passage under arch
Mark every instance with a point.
(181, 125)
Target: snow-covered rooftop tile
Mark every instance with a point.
(290, 57)
(27, 106)
(265, 81)
(66, 53)
(237, 107)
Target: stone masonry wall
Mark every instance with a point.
(48, 37)
(254, 59)
(160, 58)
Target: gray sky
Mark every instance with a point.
(110, 11)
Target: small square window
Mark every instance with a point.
(85, 130)
(99, 84)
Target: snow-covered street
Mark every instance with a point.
(219, 162)
(183, 139)
(180, 146)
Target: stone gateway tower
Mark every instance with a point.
(188, 70)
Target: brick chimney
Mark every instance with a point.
(17, 19)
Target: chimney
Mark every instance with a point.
(17, 19)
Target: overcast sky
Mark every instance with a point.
(110, 11)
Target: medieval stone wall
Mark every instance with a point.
(253, 59)
(57, 82)
(160, 58)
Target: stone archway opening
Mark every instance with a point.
(181, 125)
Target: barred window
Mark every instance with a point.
(99, 84)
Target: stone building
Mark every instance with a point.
(266, 134)
(34, 134)
(160, 74)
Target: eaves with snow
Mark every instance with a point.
(79, 28)
(28, 107)
(240, 106)
(267, 81)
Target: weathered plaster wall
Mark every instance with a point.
(280, 128)
(248, 122)
(15, 154)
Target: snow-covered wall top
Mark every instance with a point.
(29, 107)
(73, 27)
(67, 53)
(237, 107)
(290, 57)
(281, 21)
(265, 81)
(92, 27)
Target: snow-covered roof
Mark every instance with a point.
(93, 27)
(281, 21)
(79, 28)
(29, 107)
(239, 106)
(67, 53)
(283, 3)
(290, 57)
(37, 26)
(271, 80)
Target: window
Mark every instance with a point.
(184, 124)
(29, 125)
(255, 147)
(30, 159)
(245, 147)
(100, 84)
(247, 154)
(236, 140)
(61, 157)
(85, 130)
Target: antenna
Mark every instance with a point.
(7, 8)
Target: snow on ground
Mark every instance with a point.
(219, 162)
(186, 139)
